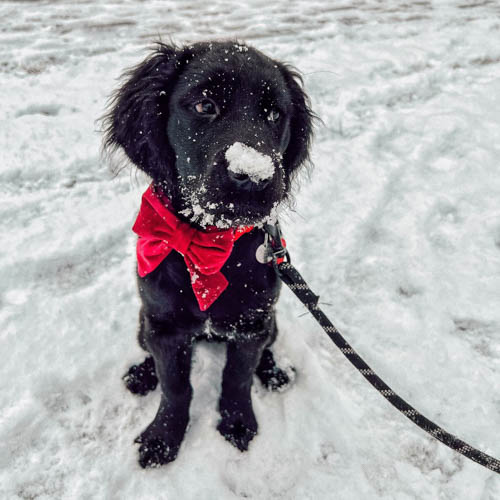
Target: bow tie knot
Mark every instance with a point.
(205, 252)
(181, 238)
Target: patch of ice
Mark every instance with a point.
(246, 160)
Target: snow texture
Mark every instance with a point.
(243, 159)
(398, 230)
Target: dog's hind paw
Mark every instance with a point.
(237, 431)
(141, 379)
(271, 375)
(276, 379)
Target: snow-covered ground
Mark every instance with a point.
(398, 230)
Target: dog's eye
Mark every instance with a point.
(206, 107)
(274, 115)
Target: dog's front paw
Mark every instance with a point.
(238, 428)
(154, 450)
(141, 379)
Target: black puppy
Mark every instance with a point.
(221, 129)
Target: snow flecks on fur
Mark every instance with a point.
(208, 213)
(204, 216)
(243, 159)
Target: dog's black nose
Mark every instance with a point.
(243, 181)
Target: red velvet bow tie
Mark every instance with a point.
(204, 252)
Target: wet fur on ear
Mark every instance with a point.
(137, 114)
(301, 123)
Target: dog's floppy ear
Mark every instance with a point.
(301, 123)
(138, 112)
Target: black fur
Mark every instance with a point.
(155, 118)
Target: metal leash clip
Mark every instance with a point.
(279, 252)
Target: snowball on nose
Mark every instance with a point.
(243, 159)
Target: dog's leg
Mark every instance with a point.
(238, 423)
(171, 348)
(141, 379)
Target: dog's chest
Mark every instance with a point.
(253, 285)
(245, 270)
(252, 290)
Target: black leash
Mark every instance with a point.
(291, 277)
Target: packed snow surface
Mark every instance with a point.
(398, 230)
(243, 159)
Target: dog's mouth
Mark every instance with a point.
(232, 212)
(208, 203)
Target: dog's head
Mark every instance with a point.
(219, 126)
